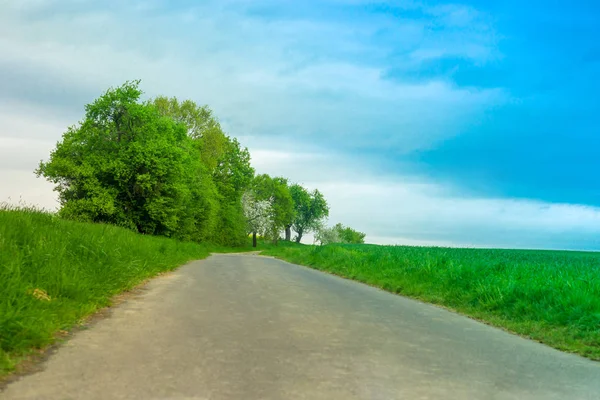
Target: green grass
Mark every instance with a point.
(79, 266)
(549, 296)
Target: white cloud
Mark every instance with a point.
(297, 92)
(411, 210)
(457, 15)
(289, 77)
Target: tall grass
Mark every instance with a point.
(549, 296)
(55, 272)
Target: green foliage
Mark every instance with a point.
(231, 226)
(160, 167)
(126, 165)
(339, 234)
(550, 296)
(276, 191)
(80, 266)
(201, 126)
(234, 173)
(232, 177)
(309, 208)
(349, 235)
(227, 171)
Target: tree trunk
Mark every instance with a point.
(299, 237)
(253, 239)
(288, 233)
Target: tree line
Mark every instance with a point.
(166, 167)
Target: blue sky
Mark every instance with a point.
(470, 123)
(544, 143)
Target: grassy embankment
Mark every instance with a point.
(54, 273)
(549, 296)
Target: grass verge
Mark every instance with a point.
(549, 296)
(54, 273)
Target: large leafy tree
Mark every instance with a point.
(281, 205)
(201, 126)
(310, 209)
(233, 175)
(128, 165)
(227, 167)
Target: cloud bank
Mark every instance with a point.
(352, 97)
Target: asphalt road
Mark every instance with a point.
(248, 327)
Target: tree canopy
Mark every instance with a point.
(226, 162)
(310, 209)
(127, 165)
(281, 205)
(166, 167)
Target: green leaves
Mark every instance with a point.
(339, 234)
(225, 175)
(201, 126)
(349, 235)
(128, 165)
(166, 167)
(275, 192)
(310, 210)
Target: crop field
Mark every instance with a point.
(54, 272)
(549, 296)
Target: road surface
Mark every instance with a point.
(250, 327)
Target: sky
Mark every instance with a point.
(472, 123)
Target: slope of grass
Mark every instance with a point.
(54, 272)
(549, 296)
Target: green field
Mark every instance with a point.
(54, 273)
(549, 296)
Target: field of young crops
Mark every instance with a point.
(550, 296)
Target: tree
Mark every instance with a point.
(310, 210)
(276, 192)
(128, 165)
(349, 235)
(339, 234)
(325, 235)
(201, 126)
(258, 214)
(227, 167)
(233, 176)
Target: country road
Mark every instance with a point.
(249, 327)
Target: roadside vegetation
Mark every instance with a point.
(56, 272)
(549, 296)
